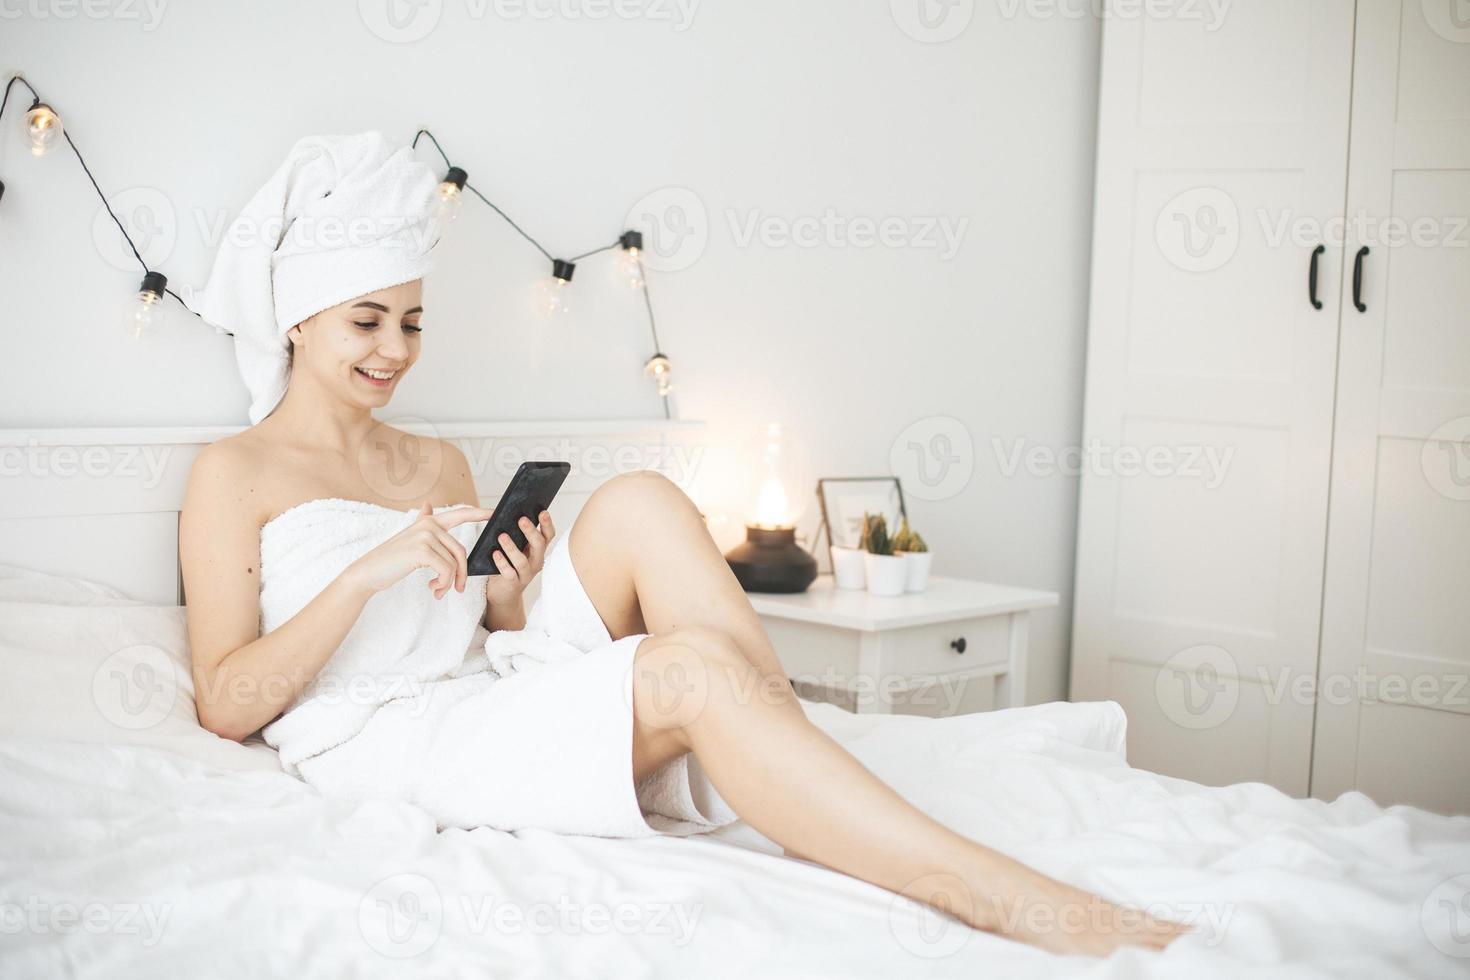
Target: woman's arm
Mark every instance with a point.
(243, 680)
(505, 617)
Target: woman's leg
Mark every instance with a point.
(789, 780)
(647, 561)
(708, 681)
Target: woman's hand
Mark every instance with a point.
(426, 543)
(518, 567)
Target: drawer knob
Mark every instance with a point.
(958, 645)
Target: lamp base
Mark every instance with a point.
(770, 560)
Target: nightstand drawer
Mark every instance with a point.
(935, 649)
(885, 653)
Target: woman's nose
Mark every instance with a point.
(394, 348)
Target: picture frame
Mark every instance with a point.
(844, 499)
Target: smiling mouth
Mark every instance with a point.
(380, 379)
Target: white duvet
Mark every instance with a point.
(128, 856)
(138, 862)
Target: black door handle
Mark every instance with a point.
(1358, 280)
(958, 645)
(1312, 278)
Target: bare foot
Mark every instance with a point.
(1061, 919)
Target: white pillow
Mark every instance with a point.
(82, 661)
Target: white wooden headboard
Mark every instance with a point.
(103, 504)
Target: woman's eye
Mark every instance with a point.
(414, 327)
(369, 323)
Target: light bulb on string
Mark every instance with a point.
(556, 291)
(43, 126)
(661, 370)
(630, 265)
(143, 311)
(450, 193)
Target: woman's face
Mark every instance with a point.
(362, 347)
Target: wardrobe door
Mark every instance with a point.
(1393, 714)
(1222, 151)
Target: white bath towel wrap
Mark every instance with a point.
(525, 728)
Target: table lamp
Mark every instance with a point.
(769, 559)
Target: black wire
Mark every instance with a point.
(66, 133)
(509, 221)
(6, 98)
(579, 258)
(88, 171)
(652, 325)
(425, 132)
(648, 302)
(497, 209)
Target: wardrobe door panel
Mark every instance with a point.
(1393, 712)
(1221, 161)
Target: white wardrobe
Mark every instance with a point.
(1273, 568)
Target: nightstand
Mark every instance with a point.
(917, 652)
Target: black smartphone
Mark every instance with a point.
(530, 492)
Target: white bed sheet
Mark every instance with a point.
(131, 860)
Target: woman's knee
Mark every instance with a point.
(679, 675)
(639, 490)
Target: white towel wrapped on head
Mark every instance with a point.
(343, 216)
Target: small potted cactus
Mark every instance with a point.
(916, 555)
(887, 573)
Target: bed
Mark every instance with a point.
(134, 843)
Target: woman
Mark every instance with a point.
(700, 675)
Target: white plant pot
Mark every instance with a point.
(916, 567)
(886, 573)
(848, 571)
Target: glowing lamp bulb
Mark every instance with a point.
(451, 193)
(660, 369)
(143, 311)
(630, 266)
(43, 126)
(772, 506)
(556, 292)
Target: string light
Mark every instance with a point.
(555, 296)
(44, 129)
(659, 369)
(555, 292)
(141, 315)
(43, 126)
(450, 193)
(630, 267)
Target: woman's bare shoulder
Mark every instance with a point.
(230, 472)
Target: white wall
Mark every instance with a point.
(759, 108)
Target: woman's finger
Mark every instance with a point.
(461, 559)
(535, 542)
(514, 553)
(547, 528)
(506, 568)
(454, 518)
(443, 563)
